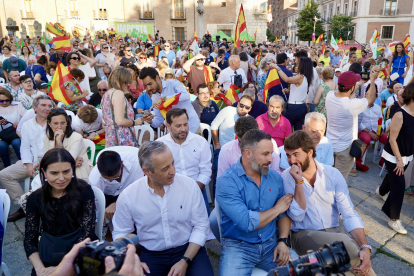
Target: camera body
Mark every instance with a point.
(91, 258)
(365, 74)
(207, 37)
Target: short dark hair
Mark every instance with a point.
(352, 49)
(356, 68)
(351, 54)
(201, 86)
(243, 56)
(58, 112)
(300, 139)
(23, 78)
(244, 124)
(408, 94)
(252, 138)
(247, 97)
(148, 71)
(109, 163)
(221, 52)
(174, 112)
(326, 51)
(281, 58)
(392, 84)
(321, 61)
(77, 73)
(301, 54)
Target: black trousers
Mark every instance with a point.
(395, 185)
(160, 262)
(296, 113)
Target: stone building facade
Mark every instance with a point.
(280, 10)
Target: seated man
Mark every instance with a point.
(320, 196)
(191, 152)
(88, 122)
(389, 92)
(169, 214)
(258, 107)
(254, 224)
(96, 98)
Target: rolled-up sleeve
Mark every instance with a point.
(295, 212)
(122, 221)
(199, 218)
(25, 151)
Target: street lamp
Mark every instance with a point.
(315, 20)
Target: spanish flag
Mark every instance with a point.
(61, 43)
(406, 42)
(375, 36)
(99, 139)
(168, 103)
(149, 38)
(57, 87)
(319, 39)
(52, 29)
(340, 42)
(208, 76)
(244, 40)
(255, 34)
(111, 32)
(271, 81)
(156, 51)
(59, 26)
(240, 27)
(195, 36)
(383, 74)
(232, 95)
(323, 47)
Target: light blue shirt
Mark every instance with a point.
(224, 123)
(384, 95)
(325, 202)
(170, 56)
(324, 154)
(334, 59)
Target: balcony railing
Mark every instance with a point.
(177, 15)
(147, 15)
(354, 13)
(389, 12)
(27, 15)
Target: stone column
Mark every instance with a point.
(23, 31)
(38, 28)
(200, 11)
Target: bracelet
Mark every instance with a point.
(133, 123)
(300, 182)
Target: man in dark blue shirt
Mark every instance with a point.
(225, 43)
(253, 204)
(59, 55)
(258, 107)
(221, 60)
(282, 61)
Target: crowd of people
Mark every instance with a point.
(278, 160)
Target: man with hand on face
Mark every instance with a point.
(253, 204)
(320, 196)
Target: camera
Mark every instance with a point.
(217, 38)
(91, 258)
(332, 258)
(365, 71)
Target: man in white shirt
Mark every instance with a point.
(88, 122)
(391, 100)
(320, 196)
(169, 214)
(31, 150)
(342, 113)
(232, 74)
(191, 152)
(182, 51)
(161, 89)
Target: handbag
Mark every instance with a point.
(357, 148)
(8, 134)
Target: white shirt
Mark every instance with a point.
(131, 172)
(226, 77)
(391, 100)
(370, 118)
(32, 137)
(180, 53)
(342, 117)
(224, 123)
(192, 158)
(325, 202)
(79, 125)
(166, 222)
(13, 113)
(89, 72)
(27, 100)
(313, 87)
(30, 114)
(299, 93)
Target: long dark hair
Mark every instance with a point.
(395, 55)
(305, 68)
(68, 131)
(73, 191)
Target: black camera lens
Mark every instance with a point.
(128, 239)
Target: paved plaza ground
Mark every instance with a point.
(393, 254)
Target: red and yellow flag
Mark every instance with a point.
(208, 76)
(375, 36)
(59, 26)
(195, 36)
(61, 43)
(240, 27)
(340, 42)
(57, 87)
(156, 51)
(319, 39)
(99, 139)
(208, 32)
(255, 34)
(406, 42)
(271, 81)
(232, 95)
(111, 32)
(168, 103)
(323, 47)
(52, 29)
(244, 40)
(383, 74)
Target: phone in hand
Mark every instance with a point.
(147, 113)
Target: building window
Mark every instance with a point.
(337, 10)
(324, 14)
(227, 32)
(147, 9)
(73, 5)
(223, 4)
(330, 13)
(28, 8)
(387, 32)
(263, 7)
(346, 9)
(390, 7)
(179, 34)
(178, 9)
(355, 9)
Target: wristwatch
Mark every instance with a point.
(366, 246)
(284, 240)
(187, 260)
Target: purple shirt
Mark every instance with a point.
(279, 132)
(230, 153)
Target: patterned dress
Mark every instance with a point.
(74, 106)
(261, 80)
(321, 108)
(126, 137)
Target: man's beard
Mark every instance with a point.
(305, 165)
(240, 114)
(274, 115)
(176, 136)
(260, 169)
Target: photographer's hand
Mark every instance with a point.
(365, 267)
(132, 265)
(65, 268)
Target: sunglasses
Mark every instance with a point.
(104, 89)
(167, 46)
(200, 59)
(54, 110)
(244, 106)
(75, 58)
(142, 58)
(75, 45)
(104, 47)
(28, 81)
(128, 50)
(5, 101)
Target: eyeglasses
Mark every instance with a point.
(27, 82)
(107, 74)
(167, 46)
(54, 110)
(244, 106)
(105, 47)
(104, 89)
(142, 58)
(128, 50)
(200, 59)
(204, 93)
(75, 58)
(5, 101)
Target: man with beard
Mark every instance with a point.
(253, 204)
(320, 196)
(191, 152)
(273, 122)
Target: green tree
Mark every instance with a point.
(270, 36)
(305, 22)
(341, 25)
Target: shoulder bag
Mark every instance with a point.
(8, 134)
(357, 148)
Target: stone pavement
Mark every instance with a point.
(393, 254)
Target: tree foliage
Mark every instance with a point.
(305, 23)
(270, 36)
(344, 24)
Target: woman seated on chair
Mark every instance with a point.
(66, 207)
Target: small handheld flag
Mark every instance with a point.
(168, 103)
(57, 87)
(232, 95)
(319, 39)
(271, 81)
(61, 43)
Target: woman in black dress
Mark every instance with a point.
(63, 209)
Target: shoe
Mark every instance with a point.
(384, 197)
(361, 167)
(397, 226)
(19, 214)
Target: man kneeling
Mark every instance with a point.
(320, 196)
(253, 205)
(169, 214)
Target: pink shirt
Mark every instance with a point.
(230, 153)
(281, 130)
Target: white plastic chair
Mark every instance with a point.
(143, 129)
(382, 169)
(207, 127)
(363, 157)
(119, 149)
(99, 195)
(27, 179)
(6, 209)
(256, 271)
(89, 144)
(161, 133)
(2, 80)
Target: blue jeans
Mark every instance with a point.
(4, 151)
(215, 169)
(239, 257)
(203, 191)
